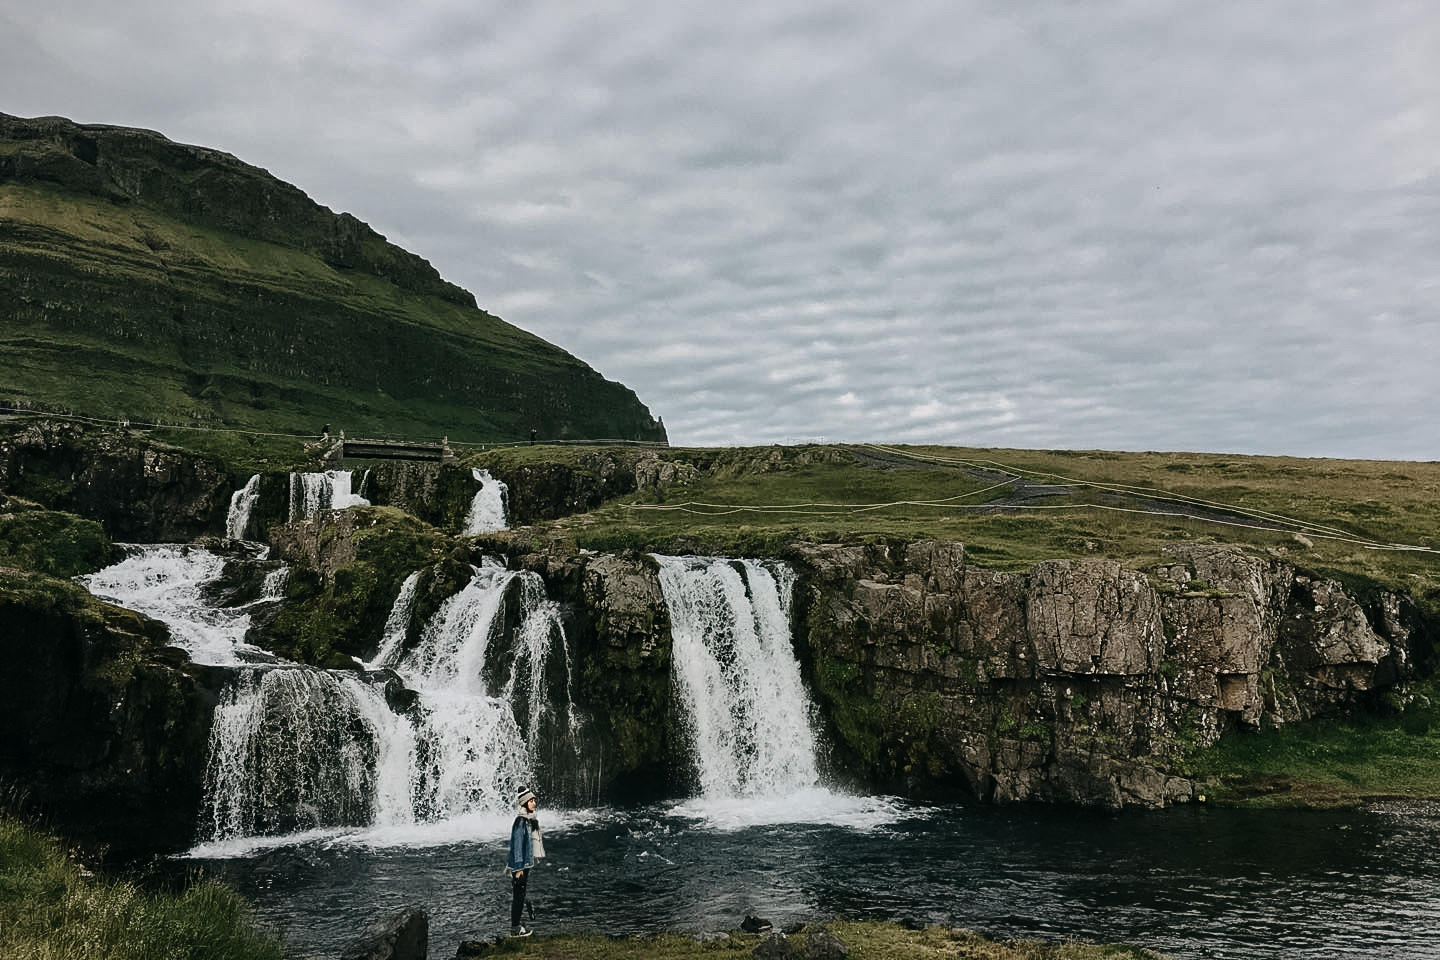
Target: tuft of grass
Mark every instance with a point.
(50, 907)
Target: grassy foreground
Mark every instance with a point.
(53, 909)
(866, 940)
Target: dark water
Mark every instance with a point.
(1187, 882)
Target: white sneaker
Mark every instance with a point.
(520, 931)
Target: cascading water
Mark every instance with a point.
(736, 673)
(397, 624)
(296, 748)
(330, 490)
(242, 501)
(167, 582)
(487, 510)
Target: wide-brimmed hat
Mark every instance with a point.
(526, 795)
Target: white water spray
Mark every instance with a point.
(293, 748)
(748, 713)
(487, 510)
(166, 581)
(296, 748)
(397, 624)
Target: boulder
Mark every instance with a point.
(824, 945)
(401, 936)
(775, 946)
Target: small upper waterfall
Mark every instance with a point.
(487, 510)
(242, 501)
(735, 670)
(167, 582)
(330, 490)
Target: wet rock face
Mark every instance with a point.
(1081, 680)
(106, 727)
(138, 491)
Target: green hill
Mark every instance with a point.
(153, 281)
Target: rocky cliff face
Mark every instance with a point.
(137, 490)
(1081, 681)
(106, 727)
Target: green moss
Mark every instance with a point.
(1391, 752)
(53, 543)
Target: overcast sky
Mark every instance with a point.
(1146, 225)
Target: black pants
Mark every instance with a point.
(518, 882)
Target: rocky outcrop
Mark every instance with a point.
(1080, 681)
(139, 491)
(106, 727)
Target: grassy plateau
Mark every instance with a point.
(1372, 525)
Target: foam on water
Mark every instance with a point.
(165, 581)
(815, 805)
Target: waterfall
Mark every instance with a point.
(242, 501)
(296, 748)
(273, 586)
(166, 582)
(748, 716)
(487, 510)
(330, 490)
(397, 624)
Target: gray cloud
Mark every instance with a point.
(1135, 226)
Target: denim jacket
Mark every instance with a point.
(522, 855)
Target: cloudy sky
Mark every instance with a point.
(1131, 225)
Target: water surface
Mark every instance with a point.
(1188, 882)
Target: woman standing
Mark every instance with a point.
(525, 848)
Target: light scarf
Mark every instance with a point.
(537, 844)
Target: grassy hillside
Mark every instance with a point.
(147, 280)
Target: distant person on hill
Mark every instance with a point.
(532, 436)
(525, 848)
